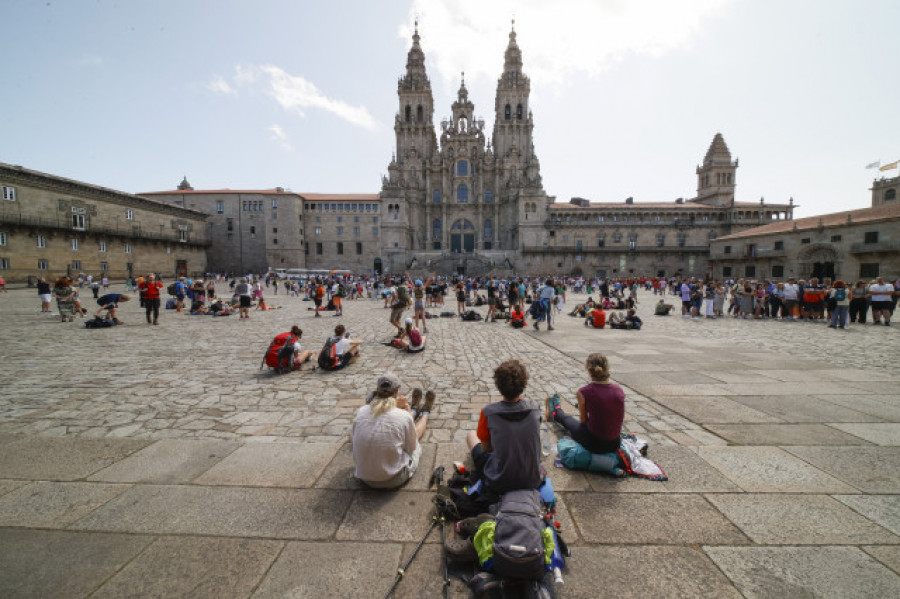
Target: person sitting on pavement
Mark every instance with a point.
(662, 308)
(601, 411)
(197, 307)
(345, 349)
(109, 306)
(386, 433)
(517, 317)
(412, 341)
(506, 447)
(301, 355)
(596, 318)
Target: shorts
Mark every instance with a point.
(492, 301)
(396, 313)
(336, 301)
(245, 301)
(815, 306)
(888, 305)
(415, 350)
(180, 297)
(318, 302)
(45, 297)
(686, 304)
(419, 305)
(403, 475)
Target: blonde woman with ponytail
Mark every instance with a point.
(601, 410)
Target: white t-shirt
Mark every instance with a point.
(790, 291)
(878, 292)
(341, 347)
(382, 445)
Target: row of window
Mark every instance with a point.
(342, 207)
(462, 195)
(721, 179)
(624, 219)
(43, 264)
(340, 219)
(340, 230)
(339, 248)
(41, 242)
(750, 250)
(867, 270)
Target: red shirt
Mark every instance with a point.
(599, 317)
(150, 290)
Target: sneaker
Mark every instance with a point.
(460, 550)
(618, 473)
(429, 402)
(551, 405)
(549, 328)
(416, 400)
(484, 584)
(537, 326)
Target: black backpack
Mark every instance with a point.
(518, 536)
(328, 358)
(171, 289)
(472, 316)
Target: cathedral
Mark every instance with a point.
(470, 204)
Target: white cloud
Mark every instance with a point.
(220, 86)
(279, 135)
(558, 39)
(296, 94)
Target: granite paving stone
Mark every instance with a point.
(804, 408)
(380, 515)
(216, 511)
(869, 469)
(769, 470)
(45, 563)
(783, 434)
(8, 485)
(194, 567)
(785, 519)
(332, 570)
(609, 572)
(880, 433)
(805, 572)
(62, 458)
(46, 504)
(687, 472)
(883, 509)
(295, 465)
(714, 408)
(889, 555)
(610, 518)
(175, 461)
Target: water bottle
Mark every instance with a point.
(545, 441)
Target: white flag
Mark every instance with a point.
(875, 164)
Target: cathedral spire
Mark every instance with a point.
(513, 56)
(415, 60)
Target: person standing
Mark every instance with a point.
(65, 298)
(880, 293)
(242, 290)
(149, 290)
(399, 305)
(546, 295)
(43, 289)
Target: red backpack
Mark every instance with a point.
(281, 351)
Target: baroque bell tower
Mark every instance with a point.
(414, 124)
(512, 117)
(716, 177)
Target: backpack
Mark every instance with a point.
(471, 316)
(281, 352)
(328, 358)
(171, 304)
(342, 292)
(99, 323)
(402, 296)
(840, 295)
(518, 544)
(171, 289)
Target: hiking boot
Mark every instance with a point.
(484, 584)
(467, 527)
(416, 400)
(549, 328)
(460, 550)
(429, 402)
(537, 326)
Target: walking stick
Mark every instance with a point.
(402, 570)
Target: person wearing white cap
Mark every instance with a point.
(412, 341)
(419, 302)
(386, 434)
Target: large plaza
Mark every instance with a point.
(161, 461)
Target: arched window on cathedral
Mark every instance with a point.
(462, 168)
(420, 114)
(436, 196)
(488, 196)
(890, 195)
(519, 112)
(408, 113)
(462, 193)
(507, 112)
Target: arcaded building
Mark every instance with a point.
(52, 226)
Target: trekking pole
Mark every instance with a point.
(402, 570)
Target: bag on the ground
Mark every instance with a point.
(515, 545)
(448, 314)
(171, 289)
(171, 303)
(99, 323)
(471, 316)
(328, 358)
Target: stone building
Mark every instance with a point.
(885, 191)
(850, 245)
(462, 202)
(51, 226)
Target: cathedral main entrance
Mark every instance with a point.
(462, 237)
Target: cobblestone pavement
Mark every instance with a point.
(143, 460)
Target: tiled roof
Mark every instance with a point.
(272, 191)
(686, 205)
(809, 223)
(327, 197)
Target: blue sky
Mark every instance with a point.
(626, 95)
